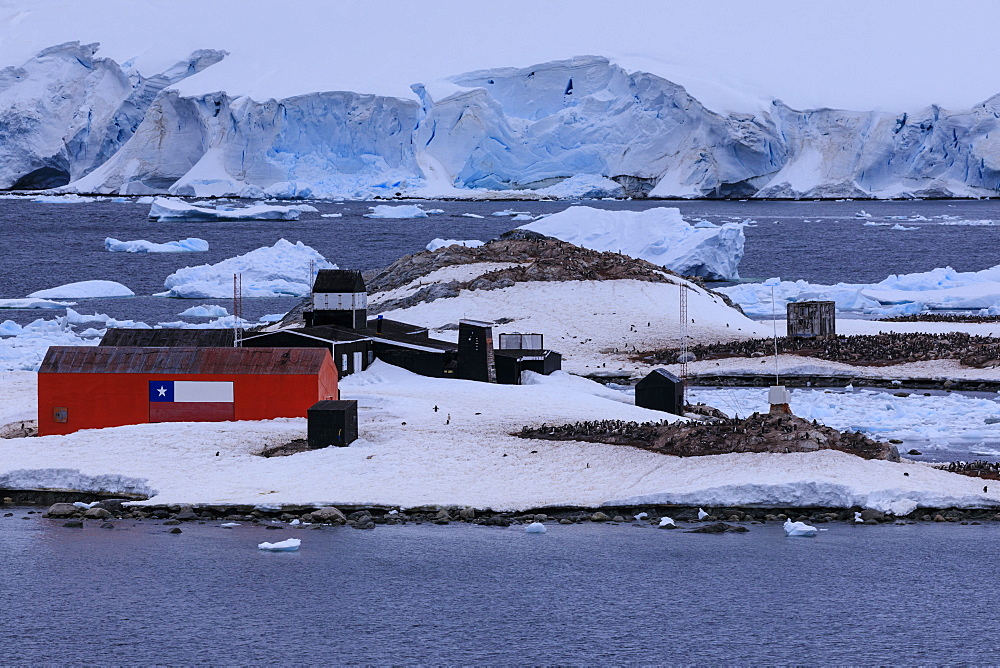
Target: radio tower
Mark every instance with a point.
(683, 310)
(237, 310)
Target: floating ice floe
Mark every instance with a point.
(903, 228)
(799, 530)
(331, 215)
(535, 527)
(280, 270)
(190, 245)
(205, 311)
(659, 235)
(229, 525)
(400, 212)
(442, 243)
(85, 506)
(472, 215)
(521, 217)
(85, 290)
(64, 199)
(33, 303)
(511, 212)
(290, 545)
(164, 209)
(666, 522)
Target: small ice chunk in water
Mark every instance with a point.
(295, 523)
(857, 517)
(290, 545)
(799, 530)
(535, 527)
(230, 525)
(666, 522)
(85, 506)
(702, 514)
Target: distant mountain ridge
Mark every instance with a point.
(80, 123)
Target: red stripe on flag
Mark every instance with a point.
(202, 411)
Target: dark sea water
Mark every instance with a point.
(45, 245)
(465, 595)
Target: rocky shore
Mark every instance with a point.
(107, 511)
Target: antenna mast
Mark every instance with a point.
(237, 310)
(683, 312)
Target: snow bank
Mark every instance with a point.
(594, 324)
(432, 460)
(441, 243)
(399, 212)
(33, 303)
(272, 271)
(189, 245)
(942, 288)
(659, 235)
(85, 290)
(164, 209)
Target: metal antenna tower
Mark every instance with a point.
(237, 310)
(683, 310)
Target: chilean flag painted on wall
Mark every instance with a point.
(190, 401)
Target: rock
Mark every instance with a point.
(62, 510)
(541, 517)
(174, 530)
(914, 452)
(719, 527)
(269, 526)
(185, 514)
(440, 520)
(74, 524)
(97, 514)
(442, 515)
(565, 521)
(939, 518)
(171, 523)
(599, 517)
(872, 514)
(114, 505)
(328, 515)
(467, 513)
(107, 525)
(618, 518)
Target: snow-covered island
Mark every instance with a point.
(599, 309)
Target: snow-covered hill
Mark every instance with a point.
(199, 114)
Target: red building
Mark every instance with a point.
(82, 387)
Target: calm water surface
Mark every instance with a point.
(586, 594)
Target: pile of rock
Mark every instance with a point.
(757, 433)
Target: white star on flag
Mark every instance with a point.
(162, 391)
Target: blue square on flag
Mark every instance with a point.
(161, 390)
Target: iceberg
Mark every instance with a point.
(535, 527)
(799, 530)
(164, 209)
(441, 243)
(397, 212)
(281, 270)
(289, 545)
(205, 311)
(189, 245)
(659, 235)
(937, 289)
(85, 290)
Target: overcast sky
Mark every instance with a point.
(885, 54)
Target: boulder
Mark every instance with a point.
(872, 514)
(74, 524)
(328, 515)
(599, 517)
(467, 513)
(186, 514)
(62, 510)
(97, 514)
(718, 527)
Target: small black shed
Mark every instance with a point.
(332, 423)
(661, 391)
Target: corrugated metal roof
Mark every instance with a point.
(126, 359)
(338, 280)
(169, 338)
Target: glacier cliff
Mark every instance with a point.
(74, 121)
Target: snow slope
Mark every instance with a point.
(463, 462)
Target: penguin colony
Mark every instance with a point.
(942, 317)
(976, 469)
(757, 433)
(863, 349)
